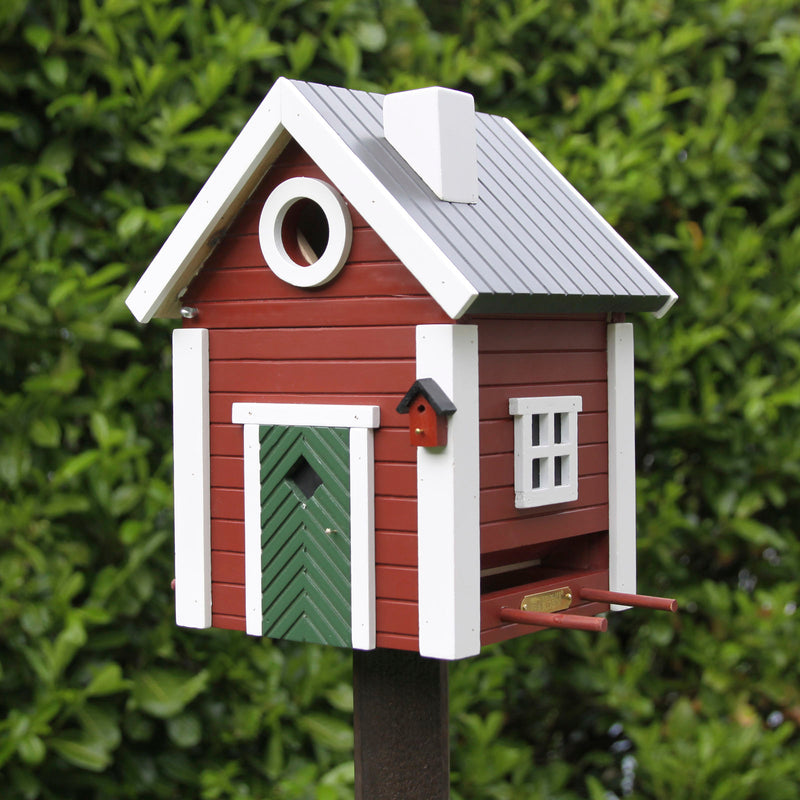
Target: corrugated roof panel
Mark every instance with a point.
(578, 213)
(568, 252)
(530, 233)
(356, 118)
(522, 216)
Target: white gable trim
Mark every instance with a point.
(379, 207)
(285, 111)
(448, 500)
(231, 182)
(361, 420)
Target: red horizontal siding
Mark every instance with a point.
(227, 535)
(308, 376)
(396, 480)
(231, 622)
(396, 547)
(227, 472)
(227, 598)
(398, 642)
(497, 504)
(398, 616)
(543, 334)
(396, 513)
(541, 358)
(250, 279)
(226, 566)
(510, 534)
(310, 343)
(494, 399)
(397, 583)
(349, 342)
(498, 369)
(340, 312)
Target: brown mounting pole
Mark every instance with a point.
(636, 600)
(546, 619)
(400, 722)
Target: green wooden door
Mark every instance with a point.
(305, 533)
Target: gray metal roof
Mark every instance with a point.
(530, 243)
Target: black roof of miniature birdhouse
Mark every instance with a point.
(432, 392)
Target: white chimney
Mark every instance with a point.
(433, 129)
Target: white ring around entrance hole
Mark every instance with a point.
(271, 232)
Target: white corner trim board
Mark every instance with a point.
(621, 461)
(361, 420)
(192, 479)
(448, 486)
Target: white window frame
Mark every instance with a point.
(361, 420)
(528, 455)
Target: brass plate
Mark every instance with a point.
(546, 602)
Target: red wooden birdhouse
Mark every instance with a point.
(428, 408)
(350, 245)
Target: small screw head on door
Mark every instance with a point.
(330, 531)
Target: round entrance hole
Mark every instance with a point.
(305, 232)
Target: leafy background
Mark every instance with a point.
(678, 119)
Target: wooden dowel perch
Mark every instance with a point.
(637, 600)
(548, 620)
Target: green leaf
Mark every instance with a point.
(164, 693)
(185, 730)
(31, 749)
(131, 222)
(91, 756)
(328, 731)
(38, 37)
(56, 70)
(76, 466)
(46, 432)
(107, 679)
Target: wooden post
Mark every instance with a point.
(400, 721)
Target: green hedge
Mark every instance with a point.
(679, 120)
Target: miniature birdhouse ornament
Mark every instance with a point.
(428, 408)
(348, 246)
